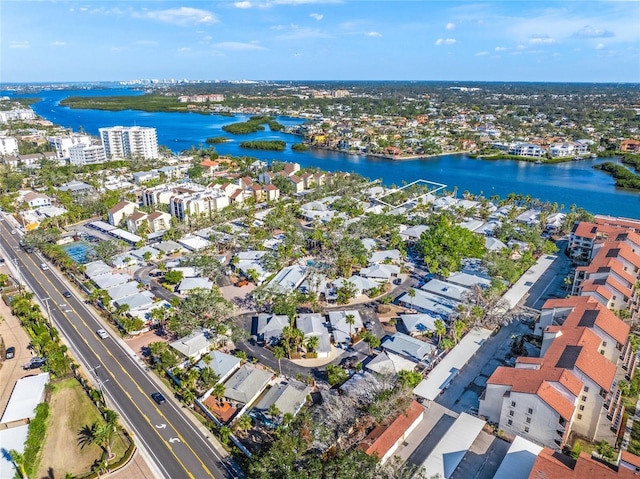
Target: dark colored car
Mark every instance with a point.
(158, 397)
(10, 353)
(35, 363)
(66, 294)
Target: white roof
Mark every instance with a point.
(429, 303)
(418, 323)
(440, 376)
(187, 284)
(125, 235)
(528, 279)
(445, 289)
(194, 243)
(139, 253)
(102, 225)
(389, 363)
(108, 280)
(12, 439)
(338, 320)
(519, 459)
(408, 346)
(380, 271)
(97, 268)
(221, 363)
(289, 278)
(26, 395)
(493, 244)
(472, 225)
(380, 256)
(123, 290)
(448, 453)
(187, 271)
(168, 246)
(361, 284)
(312, 324)
(468, 280)
(193, 345)
(246, 384)
(414, 231)
(250, 255)
(143, 299)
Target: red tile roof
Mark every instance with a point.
(553, 465)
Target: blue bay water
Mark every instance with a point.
(574, 182)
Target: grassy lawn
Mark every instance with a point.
(70, 411)
(585, 446)
(634, 442)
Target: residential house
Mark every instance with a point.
(312, 324)
(33, 200)
(246, 385)
(159, 221)
(288, 397)
(268, 327)
(426, 302)
(389, 363)
(222, 364)
(417, 324)
(189, 284)
(297, 183)
(194, 346)
(271, 192)
(409, 347)
(340, 329)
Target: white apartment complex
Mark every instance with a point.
(63, 143)
(80, 155)
(8, 145)
(127, 142)
(186, 199)
(17, 114)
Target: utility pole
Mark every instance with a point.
(18, 277)
(46, 302)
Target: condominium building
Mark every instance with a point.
(572, 386)
(17, 114)
(62, 143)
(8, 146)
(612, 275)
(526, 149)
(200, 203)
(128, 142)
(81, 155)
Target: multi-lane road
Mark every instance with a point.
(172, 442)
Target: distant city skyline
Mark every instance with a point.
(557, 41)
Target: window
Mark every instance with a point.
(530, 411)
(604, 344)
(582, 407)
(509, 422)
(513, 404)
(586, 389)
(511, 413)
(528, 420)
(583, 398)
(526, 429)
(579, 416)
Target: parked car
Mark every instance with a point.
(158, 398)
(66, 294)
(35, 363)
(10, 352)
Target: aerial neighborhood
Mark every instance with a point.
(295, 309)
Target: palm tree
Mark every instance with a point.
(350, 319)
(98, 434)
(441, 329)
(312, 344)
(412, 294)
(218, 392)
(372, 340)
(243, 424)
(279, 353)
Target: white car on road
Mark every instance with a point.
(102, 333)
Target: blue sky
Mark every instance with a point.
(320, 40)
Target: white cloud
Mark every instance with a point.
(182, 16)
(243, 4)
(373, 34)
(147, 43)
(237, 46)
(599, 46)
(541, 40)
(296, 33)
(20, 44)
(184, 49)
(58, 44)
(500, 49)
(446, 41)
(317, 16)
(482, 54)
(589, 32)
(450, 26)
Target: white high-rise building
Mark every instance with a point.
(80, 155)
(63, 143)
(8, 145)
(127, 142)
